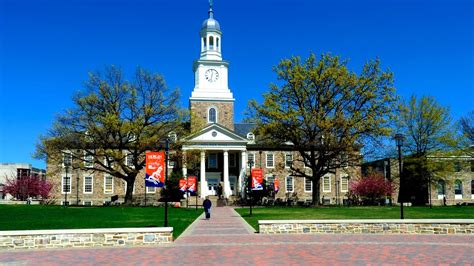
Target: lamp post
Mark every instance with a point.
(251, 163)
(167, 144)
(67, 185)
(77, 190)
(399, 138)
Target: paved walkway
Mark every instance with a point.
(226, 239)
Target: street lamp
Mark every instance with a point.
(250, 163)
(77, 190)
(399, 138)
(171, 137)
(67, 185)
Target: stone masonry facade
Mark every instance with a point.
(434, 227)
(199, 111)
(117, 237)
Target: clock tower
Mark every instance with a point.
(211, 100)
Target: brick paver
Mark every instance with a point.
(226, 239)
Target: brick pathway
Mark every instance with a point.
(226, 239)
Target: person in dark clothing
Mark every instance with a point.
(219, 191)
(207, 207)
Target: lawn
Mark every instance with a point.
(277, 213)
(34, 217)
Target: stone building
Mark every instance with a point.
(17, 171)
(223, 146)
(453, 184)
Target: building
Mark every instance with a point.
(453, 184)
(17, 171)
(223, 146)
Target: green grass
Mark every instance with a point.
(278, 213)
(28, 217)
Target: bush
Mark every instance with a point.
(371, 190)
(26, 187)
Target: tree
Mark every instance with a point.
(27, 186)
(467, 126)
(325, 111)
(426, 125)
(372, 189)
(113, 123)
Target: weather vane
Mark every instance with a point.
(211, 3)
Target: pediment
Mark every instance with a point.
(215, 133)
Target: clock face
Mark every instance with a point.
(211, 75)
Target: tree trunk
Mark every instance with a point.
(315, 195)
(129, 193)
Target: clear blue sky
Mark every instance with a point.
(48, 46)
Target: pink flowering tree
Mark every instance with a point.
(29, 186)
(372, 189)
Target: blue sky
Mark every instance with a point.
(48, 46)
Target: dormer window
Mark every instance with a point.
(212, 115)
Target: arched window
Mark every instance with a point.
(458, 187)
(441, 188)
(205, 42)
(212, 117)
(211, 42)
(217, 43)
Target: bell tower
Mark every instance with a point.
(211, 100)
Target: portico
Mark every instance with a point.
(222, 159)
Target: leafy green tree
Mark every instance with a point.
(113, 123)
(325, 111)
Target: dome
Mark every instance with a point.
(210, 24)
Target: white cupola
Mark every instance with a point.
(211, 38)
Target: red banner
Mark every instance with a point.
(192, 183)
(183, 185)
(276, 185)
(155, 169)
(257, 179)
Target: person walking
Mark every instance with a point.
(207, 207)
(219, 191)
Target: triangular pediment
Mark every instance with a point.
(215, 133)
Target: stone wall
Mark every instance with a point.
(199, 109)
(110, 237)
(436, 227)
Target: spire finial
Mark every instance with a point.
(211, 12)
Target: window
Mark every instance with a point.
(108, 185)
(308, 185)
(251, 157)
(289, 184)
(65, 203)
(472, 188)
(457, 166)
(212, 118)
(344, 160)
(472, 166)
(211, 42)
(232, 160)
(129, 160)
(217, 43)
(88, 184)
(270, 181)
(344, 184)
(270, 161)
(326, 184)
(151, 190)
(288, 160)
(458, 187)
(88, 160)
(212, 160)
(66, 184)
(441, 188)
(204, 42)
(67, 159)
(306, 160)
(87, 203)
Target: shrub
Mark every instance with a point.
(29, 186)
(372, 189)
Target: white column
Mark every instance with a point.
(185, 169)
(203, 175)
(243, 170)
(227, 190)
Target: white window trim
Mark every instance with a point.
(105, 180)
(126, 160)
(292, 184)
(84, 184)
(62, 184)
(305, 185)
(342, 177)
(248, 157)
(68, 203)
(84, 203)
(150, 192)
(266, 159)
(217, 116)
(87, 163)
(286, 154)
(62, 160)
(328, 176)
(304, 160)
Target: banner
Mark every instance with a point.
(192, 182)
(276, 185)
(155, 169)
(257, 179)
(183, 185)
